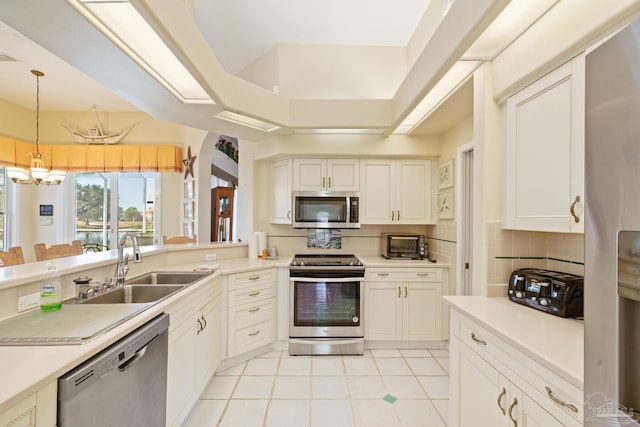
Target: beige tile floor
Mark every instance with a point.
(279, 390)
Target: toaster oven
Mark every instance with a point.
(404, 246)
(553, 292)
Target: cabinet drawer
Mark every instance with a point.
(250, 314)
(251, 278)
(252, 336)
(252, 294)
(556, 395)
(405, 274)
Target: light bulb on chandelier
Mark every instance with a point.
(37, 172)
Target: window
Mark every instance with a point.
(128, 196)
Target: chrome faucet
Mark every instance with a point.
(122, 267)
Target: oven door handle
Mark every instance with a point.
(325, 279)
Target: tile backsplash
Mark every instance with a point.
(513, 249)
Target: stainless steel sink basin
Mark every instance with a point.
(167, 278)
(134, 294)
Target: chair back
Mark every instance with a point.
(13, 256)
(57, 251)
(179, 239)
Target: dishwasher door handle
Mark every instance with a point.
(135, 359)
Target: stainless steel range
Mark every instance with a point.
(326, 305)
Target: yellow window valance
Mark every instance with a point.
(94, 158)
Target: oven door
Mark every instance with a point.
(326, 307)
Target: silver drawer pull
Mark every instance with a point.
(253, 334)
(383, 274)
(253, 294)
(423, 274)
(254, 277)
(478, 340)
(513, 405)
(502, 393)
(560, 402)
(253, 310)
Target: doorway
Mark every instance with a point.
(464, 285)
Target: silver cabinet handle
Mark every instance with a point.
(405, 291)
(393, 213)
(329, 182)
(399, 292)
(499, 401)
(253, 294)
(253, 334)
(383, 274)
(560, 402)
(254, 277)
(204, 325)
(200, 328)
(324, 180)
(576, 218)
(398, 215)
(478, 340)
(513, 405)
(289, 214)
(253, 310)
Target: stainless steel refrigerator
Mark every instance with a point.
(612, 231)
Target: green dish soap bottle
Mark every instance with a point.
(51, 295)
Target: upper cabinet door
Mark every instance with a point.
(281, 199)
(326, 175)
(396, 192)
(544, 170)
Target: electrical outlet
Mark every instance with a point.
(28, 301)
(210, 257)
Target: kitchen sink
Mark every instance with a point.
(134, 294)
(167, 278)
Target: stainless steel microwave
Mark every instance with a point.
(326, 209)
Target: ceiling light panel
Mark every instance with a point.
(125, 27)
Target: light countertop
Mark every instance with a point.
(555, 342)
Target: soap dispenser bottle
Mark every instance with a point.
(51, 295)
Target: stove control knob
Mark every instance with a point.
(301, 262)
(544, 302)
(533, 298)
(519, 294)
(351, 263)
(510, 291)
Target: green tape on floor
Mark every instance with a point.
(389, 398)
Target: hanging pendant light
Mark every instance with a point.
(37, 172)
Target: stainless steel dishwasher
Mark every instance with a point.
(125, 385)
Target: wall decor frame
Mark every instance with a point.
(446, 205)
(445, 176)
(188, 210)
(188, 190)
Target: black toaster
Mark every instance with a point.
(553, 292)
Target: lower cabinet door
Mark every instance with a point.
(534, 415)
(479, 394)
(181, 372)
(383, 311)
(208, 343)
(421, 313)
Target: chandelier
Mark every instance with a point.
(37, 172)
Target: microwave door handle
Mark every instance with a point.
(324, 279)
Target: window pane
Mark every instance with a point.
(136, 206)
(93, 223)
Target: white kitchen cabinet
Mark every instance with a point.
(326, 175)
(280, 178)
(194, 349)
(252, 310)
(396, 192)
(494, 384)
(403, 304)
(544, 153)
(37, 410)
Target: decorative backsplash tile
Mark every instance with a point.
(324, 239)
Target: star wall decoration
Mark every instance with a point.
(188, 164)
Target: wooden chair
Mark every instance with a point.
(179, 239)
(57, 251)
(12, 257)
